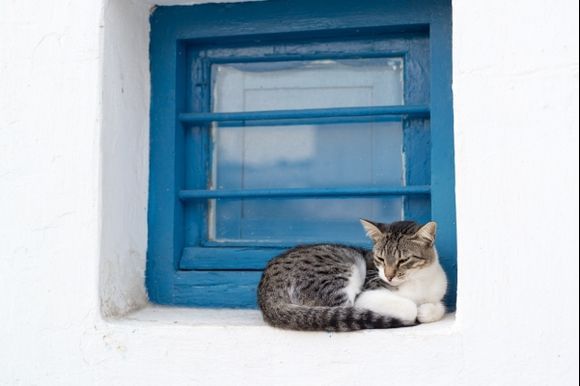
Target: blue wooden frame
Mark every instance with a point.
(171, 277)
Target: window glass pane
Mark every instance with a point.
(299, 220)
(307, 84)
(308, 155)
(303, 156)
(311, 154)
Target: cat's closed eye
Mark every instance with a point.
(403, 261)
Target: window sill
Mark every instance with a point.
(196, 317)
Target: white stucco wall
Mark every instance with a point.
(73, 182)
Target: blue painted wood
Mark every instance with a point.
(311, 121)
(238, 258)
(283, 244)
(308, 55)
(188, 195)
(179, 36)
(165, 211)
(419, 111)
(442, 145)
(224, 259)
(216, 289)
(212, 24)
(417, 150)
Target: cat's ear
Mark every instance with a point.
(374, 231)
(427, 232)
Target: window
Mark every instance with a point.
(283, 122)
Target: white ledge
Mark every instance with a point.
(228, 318)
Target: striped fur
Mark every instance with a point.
(303, 289)
(317, 287)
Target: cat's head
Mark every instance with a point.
(401, 249)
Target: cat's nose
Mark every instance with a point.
(389, 273)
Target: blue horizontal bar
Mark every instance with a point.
(309, 57)
(187, 195)
(284, 244)
(420, 110)
(200, 258)
(211, 288)
(313, 121)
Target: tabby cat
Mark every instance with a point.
(331, 287)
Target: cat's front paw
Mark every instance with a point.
(430, 312)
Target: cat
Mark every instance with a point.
(333, 287)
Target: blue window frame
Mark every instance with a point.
(268, 134)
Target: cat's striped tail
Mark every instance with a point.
(305, 318)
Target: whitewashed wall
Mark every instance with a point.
(73, 182)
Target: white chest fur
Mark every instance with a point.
(427, 285)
